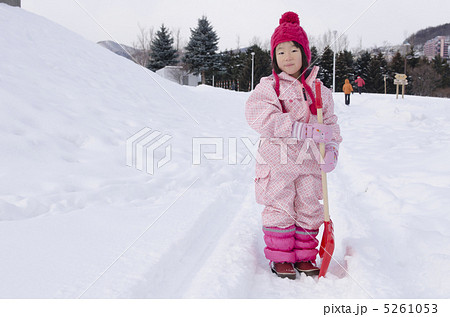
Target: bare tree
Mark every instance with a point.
(142, 46)
(177, 37)
(424, 80)
(335, 41)
(255, 41)
(266, 45)
(313, 41)
(328, 39)
(355, 50)
(342, 43)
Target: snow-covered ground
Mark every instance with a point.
(77, 222)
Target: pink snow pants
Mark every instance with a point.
(292, 215)
(289, 198)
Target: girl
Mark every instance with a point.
(288, 174)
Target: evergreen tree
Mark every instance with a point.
(411, 60)
(201, 57)
(396, 66)
(230, 66)
(443, 69)
(314, 56)
(344, 69)
(162, 52)
(238, 61)
(362, 65)
(377, 68)
(226, 66)
(262, 67)
(326, 67)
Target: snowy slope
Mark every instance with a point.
(76, 221)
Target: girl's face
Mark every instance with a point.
(289, 58)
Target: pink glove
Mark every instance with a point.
(330, 158)
(320, 133)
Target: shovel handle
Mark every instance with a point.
(326, 210)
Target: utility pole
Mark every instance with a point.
(334, 70)
(334, 62)
(253, 66)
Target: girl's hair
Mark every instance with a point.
(304, 59)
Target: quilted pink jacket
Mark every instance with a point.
(264, 113)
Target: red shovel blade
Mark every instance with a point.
(326, 247)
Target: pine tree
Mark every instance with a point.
(376, 69)
(262, 66)
(411, 59)
(326, 67)
(362, 65)
(201, 57)
(396, 66)
(314, 56)
(162, 52)
(441, 66)
(226, 66)
(344, 68)
(231, 65)
(237, 62)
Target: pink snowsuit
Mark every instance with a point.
(288, 181)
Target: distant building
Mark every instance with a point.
(390, 51)
(14, 3)
(179, 75)
(437, 46)
(404, 49)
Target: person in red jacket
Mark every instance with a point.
(360, 82)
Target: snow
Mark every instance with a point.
(77, 222)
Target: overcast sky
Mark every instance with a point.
(379, 21)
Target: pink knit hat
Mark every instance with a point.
(290, 30)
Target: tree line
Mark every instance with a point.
(201, 56)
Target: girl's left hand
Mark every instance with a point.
(330, 158)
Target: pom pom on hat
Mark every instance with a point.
(290, 17)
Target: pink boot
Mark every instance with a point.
(280, 244)
(307, 267)
(280, 250)
(283, 270)
(305, 251)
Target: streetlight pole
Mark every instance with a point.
(334, 62)
(334, 70)
(253, 66)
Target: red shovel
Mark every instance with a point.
(327, 244)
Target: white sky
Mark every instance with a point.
(385, 21)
